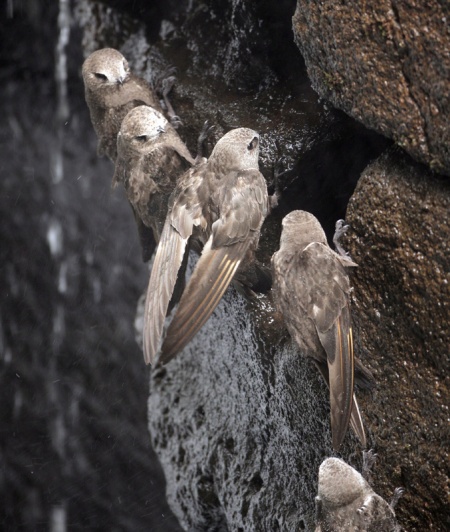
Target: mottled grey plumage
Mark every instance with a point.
(111, 90)
(222, 203)
(151, 157)
(345, 501)
(311, 289)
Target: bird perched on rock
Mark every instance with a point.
(151, 157)
(311, 289)
(345, 501)
(111, 90)
(222, 203)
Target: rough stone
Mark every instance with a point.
(240, 424)
(400, 233)
(387, 64)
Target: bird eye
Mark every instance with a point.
(101, 76)
(141, 138)
(253, 144)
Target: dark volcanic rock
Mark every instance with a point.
(400, 239)
(386, 64)
(240, 423)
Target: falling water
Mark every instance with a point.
(62, 111)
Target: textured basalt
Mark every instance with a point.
(387, 64)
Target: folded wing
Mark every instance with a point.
(184, 213)
(328, 287)
(243, 206)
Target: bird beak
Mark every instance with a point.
(123, 78)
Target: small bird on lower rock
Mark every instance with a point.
(346, 502)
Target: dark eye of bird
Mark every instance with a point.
(141, 138)
(98, 75)
(253, 144)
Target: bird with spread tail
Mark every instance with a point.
(151, 157)
(222, 203)
(111, 91)
(311, 289)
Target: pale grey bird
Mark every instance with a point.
(151, 158)
(345, 501)
(311, 289)
(111, 90)
(222, 203)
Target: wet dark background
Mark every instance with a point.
(74, 442)
(75, 451)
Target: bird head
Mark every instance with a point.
(104, 69)
(238, 149)
(300, 228)
(142, 127)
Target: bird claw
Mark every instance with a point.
(175, 120)
(341, 229)
(164, 84)
(167, 85)
(398, 494)
(205, 133)
(369, 457)
(363, 508)
(165, 81)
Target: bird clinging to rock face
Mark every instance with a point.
(151, 157)
(223, 203)
(345, 501)
(311, 289)
(111, 90)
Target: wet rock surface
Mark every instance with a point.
(386, 64)
(399, 237)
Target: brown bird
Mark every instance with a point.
(345, 501)
(221, 203)
(151, 157)
(311, 289)
(111, 90)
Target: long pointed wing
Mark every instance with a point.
(328, 307)
(357, 424)
(163, 277)
(209, 281)
(184, 213)
(337, 342)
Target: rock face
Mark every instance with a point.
(240, 423)
(386, 64)
(240, 420)
(400, 239)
